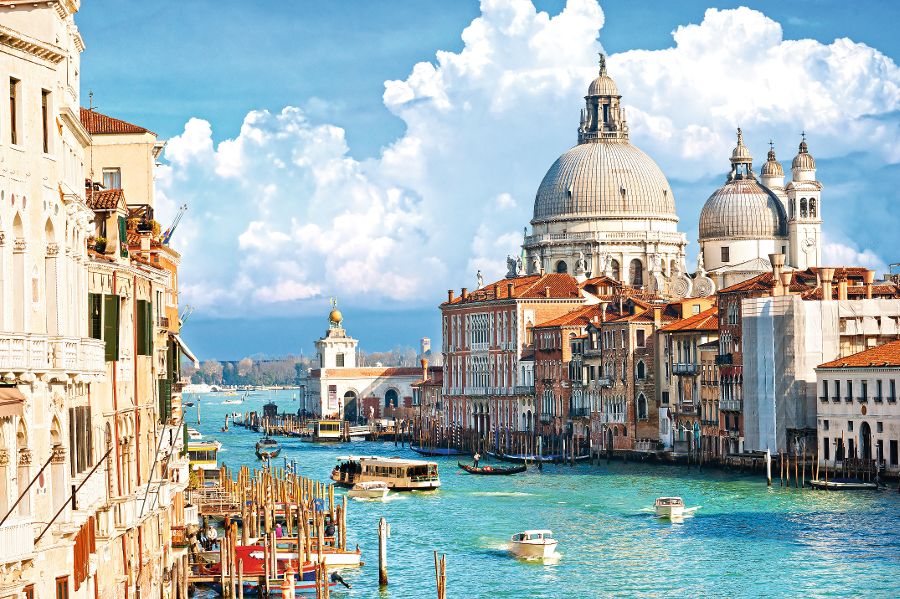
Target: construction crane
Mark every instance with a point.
(188, 310)
(167, 235)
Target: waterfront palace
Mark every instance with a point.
(92, 464)
(599, 339)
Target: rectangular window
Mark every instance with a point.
(28, 592)
(45, 120)
(893, 394)
(640, 338)
(95, 315)
(878, 390)
(725, 254)
(62, 587)
(864, 392)
(894, 452)
(825, 424)
(112, 178)
(850, 426)
(339, 360)
(849, 396)
(144, 328)
(80, 439)
(826, 448)
(123, 237)
(111, 326)
(14, 85)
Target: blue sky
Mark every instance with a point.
(396, 173)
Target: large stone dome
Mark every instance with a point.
(743, 209)
(604, 179)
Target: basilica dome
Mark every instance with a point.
(743, 209)
(604, 179)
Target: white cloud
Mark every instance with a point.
(840, 254)
(283, 213)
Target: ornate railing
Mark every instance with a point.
(16, 540)
(731, 405)
(20, 352)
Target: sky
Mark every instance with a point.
(383, 152)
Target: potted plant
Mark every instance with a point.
(100, 245)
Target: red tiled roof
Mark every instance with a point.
(562, 286)
(100, 124)
(882, 355)
(106, 199)
(708, 320)
(578, 317)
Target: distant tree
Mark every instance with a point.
(245, 366)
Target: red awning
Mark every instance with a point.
(11, 402)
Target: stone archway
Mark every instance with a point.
(865, 441)
(351, 406)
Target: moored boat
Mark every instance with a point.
(843, 484)
(194, 434)
(267, 448)
(533, 544)
(399, 474)
(325, 431)
(437, 451)
(532, 458)
(375, 489)
(492, 470)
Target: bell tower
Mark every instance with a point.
(804, 210)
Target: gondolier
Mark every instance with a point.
(475, 458)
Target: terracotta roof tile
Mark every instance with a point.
(100, 124)
(106, 199)
(576, 318)
(882, 355)
(562, 286)
(708, 320)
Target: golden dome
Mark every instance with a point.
(335, 316)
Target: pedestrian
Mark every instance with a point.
(278, 531)
(212, 537)
(476, 457)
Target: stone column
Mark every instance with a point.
(4, 480)
(59, 480)
(19, 288)
(24, 477)
(51, 288)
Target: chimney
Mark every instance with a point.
(464, 294)
(450, 296)
(827, 277)
(547, 291)
(510, 290)
(496, 290)
(603, 311)
(777, 261)
(657, 316)
(786, 277)
(424, 369)
(868, 279)
(842, 289)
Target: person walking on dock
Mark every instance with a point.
(475, 458)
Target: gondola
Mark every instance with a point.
(534, 459)
(267, 448)
(492, 470)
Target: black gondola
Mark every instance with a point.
(492, 470)
(267, 448)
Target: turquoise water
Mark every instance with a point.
(745, 540)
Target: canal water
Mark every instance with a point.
(745, 540)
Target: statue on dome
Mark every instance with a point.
(535, 265)
(520, 268)
(479, 279)
(580, 264)
(701, 271)
(606, 265)
(511, 267)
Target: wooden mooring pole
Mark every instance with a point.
(383, 534)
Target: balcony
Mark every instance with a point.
(878, 399)
(685, 368)
(836, 399)
(93, 493)
(862, 399)
(601, 383)
(731, 405)
(546, 418)
(724, 359)
(848, 399)
(163, 322)
(27, 352)
(892, 399)
(686, 408)
(580, 412)
(191, 514)
(823, 398)
(16, 541)
(524, 389)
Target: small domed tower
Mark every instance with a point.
(804, 210)
(336, 349)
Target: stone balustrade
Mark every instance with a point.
(34, 352)
(16, 540)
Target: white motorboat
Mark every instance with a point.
(194, 434)
(533, 544)
(672, 508)
(374, 489)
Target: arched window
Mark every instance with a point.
(642, 407)
(803, 208)
(391, 399)
(615, 270)
(562, 267)
(641, 370)
(812, 207)
(793, 207)
(636, 273)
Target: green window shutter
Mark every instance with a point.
(111, 326)
(165, 399)
(149, 320)
(123, 237)
(95, 315)
(141, 328)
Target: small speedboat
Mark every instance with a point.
(533, 544)
(373, 489)
(842, 484)
(194, 434)
(267, 448)
(672, 508)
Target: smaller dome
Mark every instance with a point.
(743, 209)
(772, 168)
(335, 316)
(803, 160)
(603, 86)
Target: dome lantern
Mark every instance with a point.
(803, 167)
(771, 173)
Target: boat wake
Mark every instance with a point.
(502, 494)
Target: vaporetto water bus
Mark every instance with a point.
(398, 474)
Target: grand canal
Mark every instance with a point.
(745, 540)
